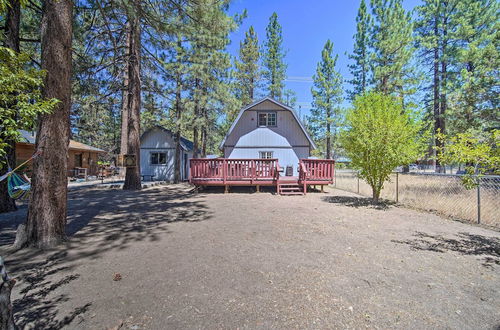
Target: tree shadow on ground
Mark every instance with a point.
(467, 244)
(99, 221)
(358, 202)
(38, 308)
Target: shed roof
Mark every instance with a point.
(30, 138)
(186, 144)
(284, 106)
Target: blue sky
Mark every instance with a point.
(306, 27)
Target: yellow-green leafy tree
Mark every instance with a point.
(479, 152)
(379, 136)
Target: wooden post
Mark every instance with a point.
(322, 188)
(226, 189)
(258, 188)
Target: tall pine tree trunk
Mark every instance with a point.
(196, 143)
(436, 86)
(328, 137)
(45, 225)
(133, 174)
(124, 111)
(12, 23)
(177, 136)
(204, 132)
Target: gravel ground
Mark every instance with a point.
(165, 258)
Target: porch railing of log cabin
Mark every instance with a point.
(224, 170)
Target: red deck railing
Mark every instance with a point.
(223, 171)
(233, 171)
(316, 170)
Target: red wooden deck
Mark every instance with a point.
(260, 172)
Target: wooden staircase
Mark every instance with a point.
(289, 186)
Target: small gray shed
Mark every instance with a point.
(158, 154)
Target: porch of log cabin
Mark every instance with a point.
(260, 172)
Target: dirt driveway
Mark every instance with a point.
(254, 261)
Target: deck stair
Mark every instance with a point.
(289, 186)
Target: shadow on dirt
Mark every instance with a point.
(468, 244)
(36, 309)
(99, 221)
(358, 202)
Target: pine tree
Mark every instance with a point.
(273, 59)
(247, 72)
(327, 98)
(474, 100)
(360, 69)
(434, 27)
(46, 220)
(392, 48)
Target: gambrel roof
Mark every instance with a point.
(284, 106)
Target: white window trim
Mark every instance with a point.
(267, 152)
(267, 118)
(158, 152)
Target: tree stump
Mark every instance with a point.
(6, 313)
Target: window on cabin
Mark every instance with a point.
(266, 154)
(158, 158)
(267, 118)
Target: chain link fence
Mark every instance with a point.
(441, 193)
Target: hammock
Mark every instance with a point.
(18, 186)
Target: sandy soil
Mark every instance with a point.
(165, 258)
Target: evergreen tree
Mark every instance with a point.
(273, 59)
(474, 100)
(434, 27)
(247, 72)
(327, 97)
(392, 48)
(360, 69)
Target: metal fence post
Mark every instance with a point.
(479, 201)
(397, 187)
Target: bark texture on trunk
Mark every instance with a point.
(204, 134)
(6, 310)
(46, 221)
(12, 23)
(177, 136)
(133, 174)
(328, 138)
(125, 109)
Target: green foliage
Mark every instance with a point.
(479, 152)
(273, 59)
(247, 72)
(381, 135)
(474, 101)
(393, 49)
(21, 101)
(360, 69)
(327, 94)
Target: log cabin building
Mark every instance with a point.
(82, 158)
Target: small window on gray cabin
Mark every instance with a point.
(267, 118)
(266, 154)
(158, 158)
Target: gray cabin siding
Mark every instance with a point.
(158, 140)
(287, 141)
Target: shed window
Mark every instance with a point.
(158, 158)
(267, 118)
(266, 154)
